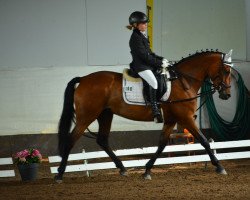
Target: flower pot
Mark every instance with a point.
(28, 172)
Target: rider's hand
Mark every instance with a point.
(165, 63)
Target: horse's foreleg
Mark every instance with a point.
(167, 129)
(204, 142)
(105, 120)
(75, 135)
(190, 125)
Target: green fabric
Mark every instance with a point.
(240, 125)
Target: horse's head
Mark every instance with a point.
(222, 77)
(193, 70)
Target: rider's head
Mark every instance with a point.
(138, 20)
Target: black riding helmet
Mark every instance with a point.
(138, 17)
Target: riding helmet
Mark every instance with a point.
(138, 17)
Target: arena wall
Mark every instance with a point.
(46, 43)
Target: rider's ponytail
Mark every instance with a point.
(130, 27)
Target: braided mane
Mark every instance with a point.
(195, 54)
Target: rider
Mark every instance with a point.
(145, 62)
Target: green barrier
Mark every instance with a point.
(239, 128)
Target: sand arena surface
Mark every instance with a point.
(182, 181)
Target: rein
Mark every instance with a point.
(212, 91)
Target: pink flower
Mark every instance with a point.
(28, 156)
(35, 152)
(22, 154)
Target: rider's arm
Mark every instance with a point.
(138, 48)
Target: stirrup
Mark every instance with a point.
(158, 119)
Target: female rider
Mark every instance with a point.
(145, 62)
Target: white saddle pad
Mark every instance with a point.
(132, 90)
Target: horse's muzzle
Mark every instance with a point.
(223, 95)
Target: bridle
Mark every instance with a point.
(222, 85)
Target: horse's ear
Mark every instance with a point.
(228, 56)
(230, 52)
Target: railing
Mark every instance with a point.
(149, 150)
(6, 173)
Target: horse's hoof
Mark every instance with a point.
(221, 170)
(123, 173)
(147, 176)
(58, 179)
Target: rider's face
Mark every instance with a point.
(142, 26)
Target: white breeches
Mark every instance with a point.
(149, 77)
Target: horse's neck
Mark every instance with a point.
(195, 70)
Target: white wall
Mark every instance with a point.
(106, 32)
(65, 33)
(190, 25)
(43, 44)
(38, 33)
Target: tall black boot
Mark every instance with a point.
(156, 112)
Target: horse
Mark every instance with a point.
(98, 96)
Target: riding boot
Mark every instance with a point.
(156, 112)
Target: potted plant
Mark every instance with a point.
(27, 162)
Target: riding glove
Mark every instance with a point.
(165, 63)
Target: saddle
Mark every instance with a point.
(135, 89)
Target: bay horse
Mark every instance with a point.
(99, 96)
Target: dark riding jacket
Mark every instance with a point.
(143, 57)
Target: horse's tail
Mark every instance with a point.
(67, 116)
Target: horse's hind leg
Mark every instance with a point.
(105, 120)
(167, 129)
(74, 136)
